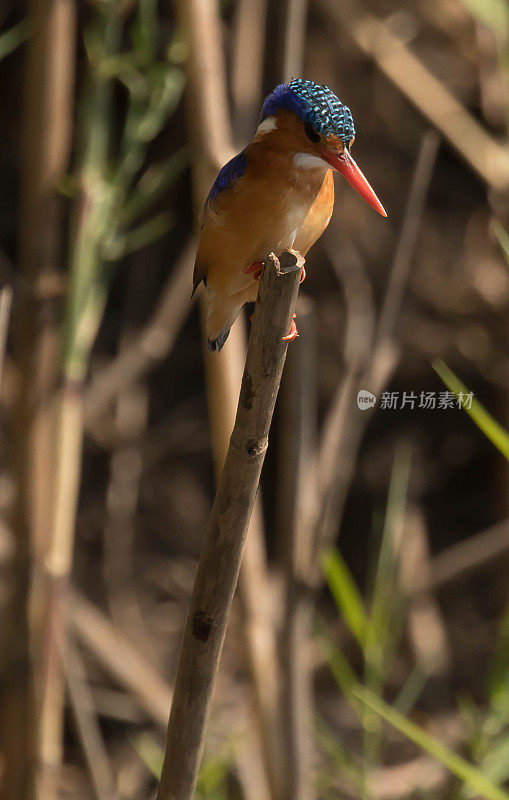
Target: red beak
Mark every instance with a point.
(345, 164)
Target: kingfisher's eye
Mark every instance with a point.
(310, 132)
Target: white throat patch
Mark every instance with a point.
(308, 161)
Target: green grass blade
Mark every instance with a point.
(343, 762)
(471, 776)
(385, 620)
(381, 615)
(410, 691)
(502, 237)
(341, 670)
(152, 185)
(484, 421)
(496, 764)
(149, 752)
(11, 39)
(213, 771)
(345, 593)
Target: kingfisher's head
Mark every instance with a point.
(320, 128)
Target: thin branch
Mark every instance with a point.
(294, 37)
(129, 667)
(84, 306)
(5, 314)
(426, 629)
(464, 557)
(405, 250)
(210, 133)
(247, 66)
(221, 555)
(46, 134)
(286, 39)
(297, 498)
(88, 727)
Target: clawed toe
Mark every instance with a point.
(293, 332)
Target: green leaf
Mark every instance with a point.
(346, 594)
(167, 85)
(10, 40)
(153, 184)
(343, 762)
(496, 764)
(119, 245)
(467, 773)
(502, 237)
(213, 771)
(385, 623)
(410, 691)
(341, 670)
(144, 29)
(381, 616)
(482, 418)
(149, 751)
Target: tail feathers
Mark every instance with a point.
(217, 343)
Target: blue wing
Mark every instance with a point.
(234, 169)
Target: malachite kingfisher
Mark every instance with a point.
(276, 195)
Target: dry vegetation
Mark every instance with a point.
(367, 652)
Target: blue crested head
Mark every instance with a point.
(314, 104)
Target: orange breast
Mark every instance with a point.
(318, 216)
(272, 207)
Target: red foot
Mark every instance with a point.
(293, 332)
(303, 277)
(256, 267)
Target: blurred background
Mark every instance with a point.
(368, 650)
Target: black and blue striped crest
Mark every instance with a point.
(312, 103)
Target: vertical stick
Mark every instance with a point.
(296, 515)
(220, 559)
(47, 119)
(84, 307)
(87, 725)
(211, 137)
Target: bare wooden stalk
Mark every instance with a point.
(426, 630)
(255, 591)
(120, 658)
(87, 725)
(221, 555)
(5, 314)
(297, 512)
(247, 65)
(84, 307)
(47, 119)
(211, 137)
